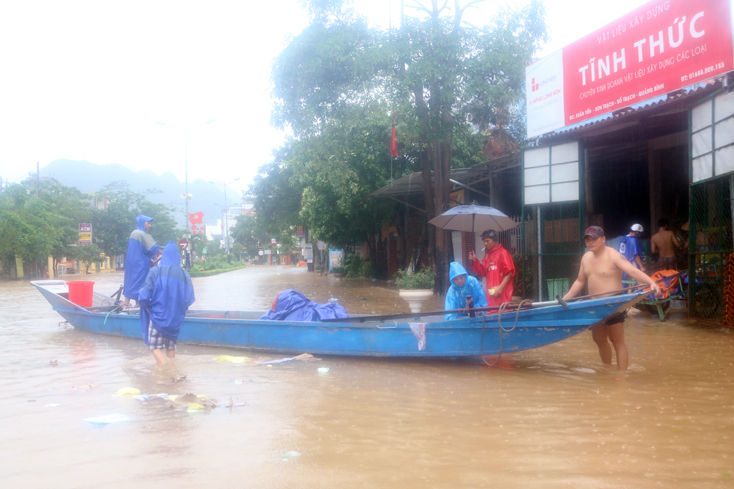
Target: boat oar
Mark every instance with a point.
(491, 309)
(362, 319)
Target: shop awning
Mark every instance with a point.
(460, 178)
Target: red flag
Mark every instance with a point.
(196, 218)
(393, 140)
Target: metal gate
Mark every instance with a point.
(709, 243)
(552, 220)
(710, 209)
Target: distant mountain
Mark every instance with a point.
(90, 177)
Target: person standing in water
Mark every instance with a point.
(665, 243)
(601, 269)
(141, 248)
(164, 299)
(629, 246)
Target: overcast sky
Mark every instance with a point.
(89, 80)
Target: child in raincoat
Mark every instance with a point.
(462, 287)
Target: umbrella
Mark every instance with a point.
(473, 218)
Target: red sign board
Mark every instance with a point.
(658, 48)
(183, 243)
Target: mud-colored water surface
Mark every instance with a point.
(546, 418)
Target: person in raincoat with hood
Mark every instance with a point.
(465, 292)
(164, 299)
(140, 249)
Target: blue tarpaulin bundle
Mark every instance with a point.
(291, 305)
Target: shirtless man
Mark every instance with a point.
(665, 243)
(601, 269)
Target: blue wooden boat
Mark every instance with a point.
(415, 336)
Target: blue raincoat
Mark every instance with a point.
(140, 249)
(291, 305)
(166, 295)
(456, 296)
(629, 246)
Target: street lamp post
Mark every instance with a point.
(186, 174)
(226, 225)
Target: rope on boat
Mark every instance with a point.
(501, 309)
(108, 314)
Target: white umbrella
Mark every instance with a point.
(473, 219)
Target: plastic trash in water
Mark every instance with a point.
(334, 300)
(584, 370)
(108, 419)
(322, 370)
(127, 391)
(291, 454)
(231, 359)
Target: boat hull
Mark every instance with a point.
(466, 337)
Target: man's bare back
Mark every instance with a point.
(664, 243)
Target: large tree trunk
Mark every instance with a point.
(442, 168)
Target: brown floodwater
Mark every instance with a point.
(545, 418)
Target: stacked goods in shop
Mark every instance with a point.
(728, 317)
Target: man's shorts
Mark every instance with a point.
(616, 318)
(157, 341)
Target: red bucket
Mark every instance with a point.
(81, 292)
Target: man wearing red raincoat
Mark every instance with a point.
(497, 267)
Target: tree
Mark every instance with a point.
(249, 234)
(72, 208)
(277, 193)
(88, 254)
(112, 226)
(438, 72)
(36, 228)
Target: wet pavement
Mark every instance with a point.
(546, 418)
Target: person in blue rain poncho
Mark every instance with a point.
(462, 287)
(140, 249)
(629, 247)
(164, 299)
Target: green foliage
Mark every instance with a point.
(35, 229)
(522, 282)
(339, 270)
(248, 234)
(425, 279)
(336, 83)
(277, 194)
(88, 255)
(198, 271)
(113, 225)
(357, 267)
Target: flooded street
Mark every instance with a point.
(547, 418)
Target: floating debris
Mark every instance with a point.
(127, 391)
(108, 419)
(231, 359)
